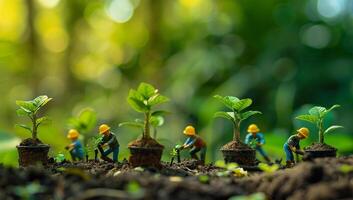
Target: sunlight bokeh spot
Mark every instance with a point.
(120, 10)
(331, 8)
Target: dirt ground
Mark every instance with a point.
(328, 178)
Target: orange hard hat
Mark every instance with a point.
(253, 128)
(73, 134)
(103, 128)
(189, 131)
(303, 132)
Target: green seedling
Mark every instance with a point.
(237, 114)
(143, 100)
(253, 143)
(175, 153)
(268, 168)
(92, 145)
(204, 179)
(30, 109)
(59, 158)
(230, 169)
(84, 123)
(346, 169)
(316, 116)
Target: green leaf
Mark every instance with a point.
(87, 119)
(332, 128)
(138, 105)
(23, 112)
(157, 100)
(317, 111)
(134, 94)
(242, 104)
(132, 124)
(160, 113)
(42, 120)
(332, 107)
(245, 115)
(225, 115)
(228, 101)
(157, 121)
(146, 90)
(309, 118)
(27, 106)
(25, 127)
(41, 101)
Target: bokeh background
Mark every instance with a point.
(284, 54)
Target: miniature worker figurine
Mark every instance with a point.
(109, 140)
(292, 145)
(75, 148)
(195, 143)
(254, 134)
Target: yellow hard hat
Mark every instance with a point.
(189, 131)
(103, 128)
(72, 134)
(253, 128)
(303, 132)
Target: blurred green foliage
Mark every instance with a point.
(283, 54)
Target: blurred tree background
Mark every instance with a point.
(285, 55)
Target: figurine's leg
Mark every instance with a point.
(73, 157)
(203, 154)
(96, 154)
(115, 154)
(263, 154)
(193, 152)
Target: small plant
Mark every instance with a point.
(92, 144)
(230, 169)
(59, 158)
(143, 100)
(269, 169)
(84, 122)
(30, 109)
(316, 116)
(204, 179)
(237, 113)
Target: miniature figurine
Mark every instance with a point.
(292, 145)
(195, 143)
(75, 148)
(109, 140)
(254, 134)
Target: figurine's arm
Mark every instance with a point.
(189, 142)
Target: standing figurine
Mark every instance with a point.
(109, 140)
(292, 145)
(75, 148)
(195, 143)
(254, 134)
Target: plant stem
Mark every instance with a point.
(321, 134)
(236, 132)
(34, 129)
(146, 130)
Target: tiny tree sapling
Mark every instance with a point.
(30, 109)
(316, 116)
(143, 100)
(236, 114)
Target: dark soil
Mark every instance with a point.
(320, 179)
(235, 145)
(320, 147)
(239, 153)
(33, 155)
(146, 143)
(145, 152)
(31, 142)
